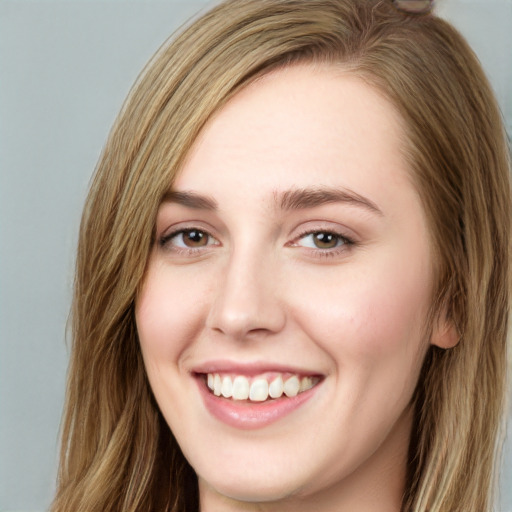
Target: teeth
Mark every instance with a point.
(240, 388)
(306, 383)
(217, 385)
(259, 390)
(227, 387)
(275, 390)
(291, 386)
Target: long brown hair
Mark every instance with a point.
(117, 452)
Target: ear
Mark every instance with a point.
(444, 333)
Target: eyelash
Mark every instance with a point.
(346, 242)
(165, 240)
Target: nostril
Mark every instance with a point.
(244, 319)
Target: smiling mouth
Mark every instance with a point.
(260, 388)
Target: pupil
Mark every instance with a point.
(325, 240)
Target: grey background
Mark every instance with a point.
(65, 68)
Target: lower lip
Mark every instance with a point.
(248, 415)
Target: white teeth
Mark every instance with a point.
(240, 388)
(217, 385)
(227, 387)
(275, 390)
(259, 390)
(291, 386)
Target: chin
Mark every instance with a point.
(258, 488)
(266, 478)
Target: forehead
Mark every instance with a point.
(303, 125)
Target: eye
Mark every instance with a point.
(322, 240)
(188, 239)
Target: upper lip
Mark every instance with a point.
(249, 368)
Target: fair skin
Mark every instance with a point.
(293, 245)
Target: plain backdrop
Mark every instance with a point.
(65, 68)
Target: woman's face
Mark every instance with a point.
(292, 253)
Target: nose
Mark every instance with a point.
(247, 302)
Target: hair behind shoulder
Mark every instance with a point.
(117, 451)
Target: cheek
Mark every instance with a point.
(369, 314)
(166, 315)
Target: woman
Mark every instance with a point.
(292, 281)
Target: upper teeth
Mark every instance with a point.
(260, 388)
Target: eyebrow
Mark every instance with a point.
(295, 199)
(311, 197)
(190, 200)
